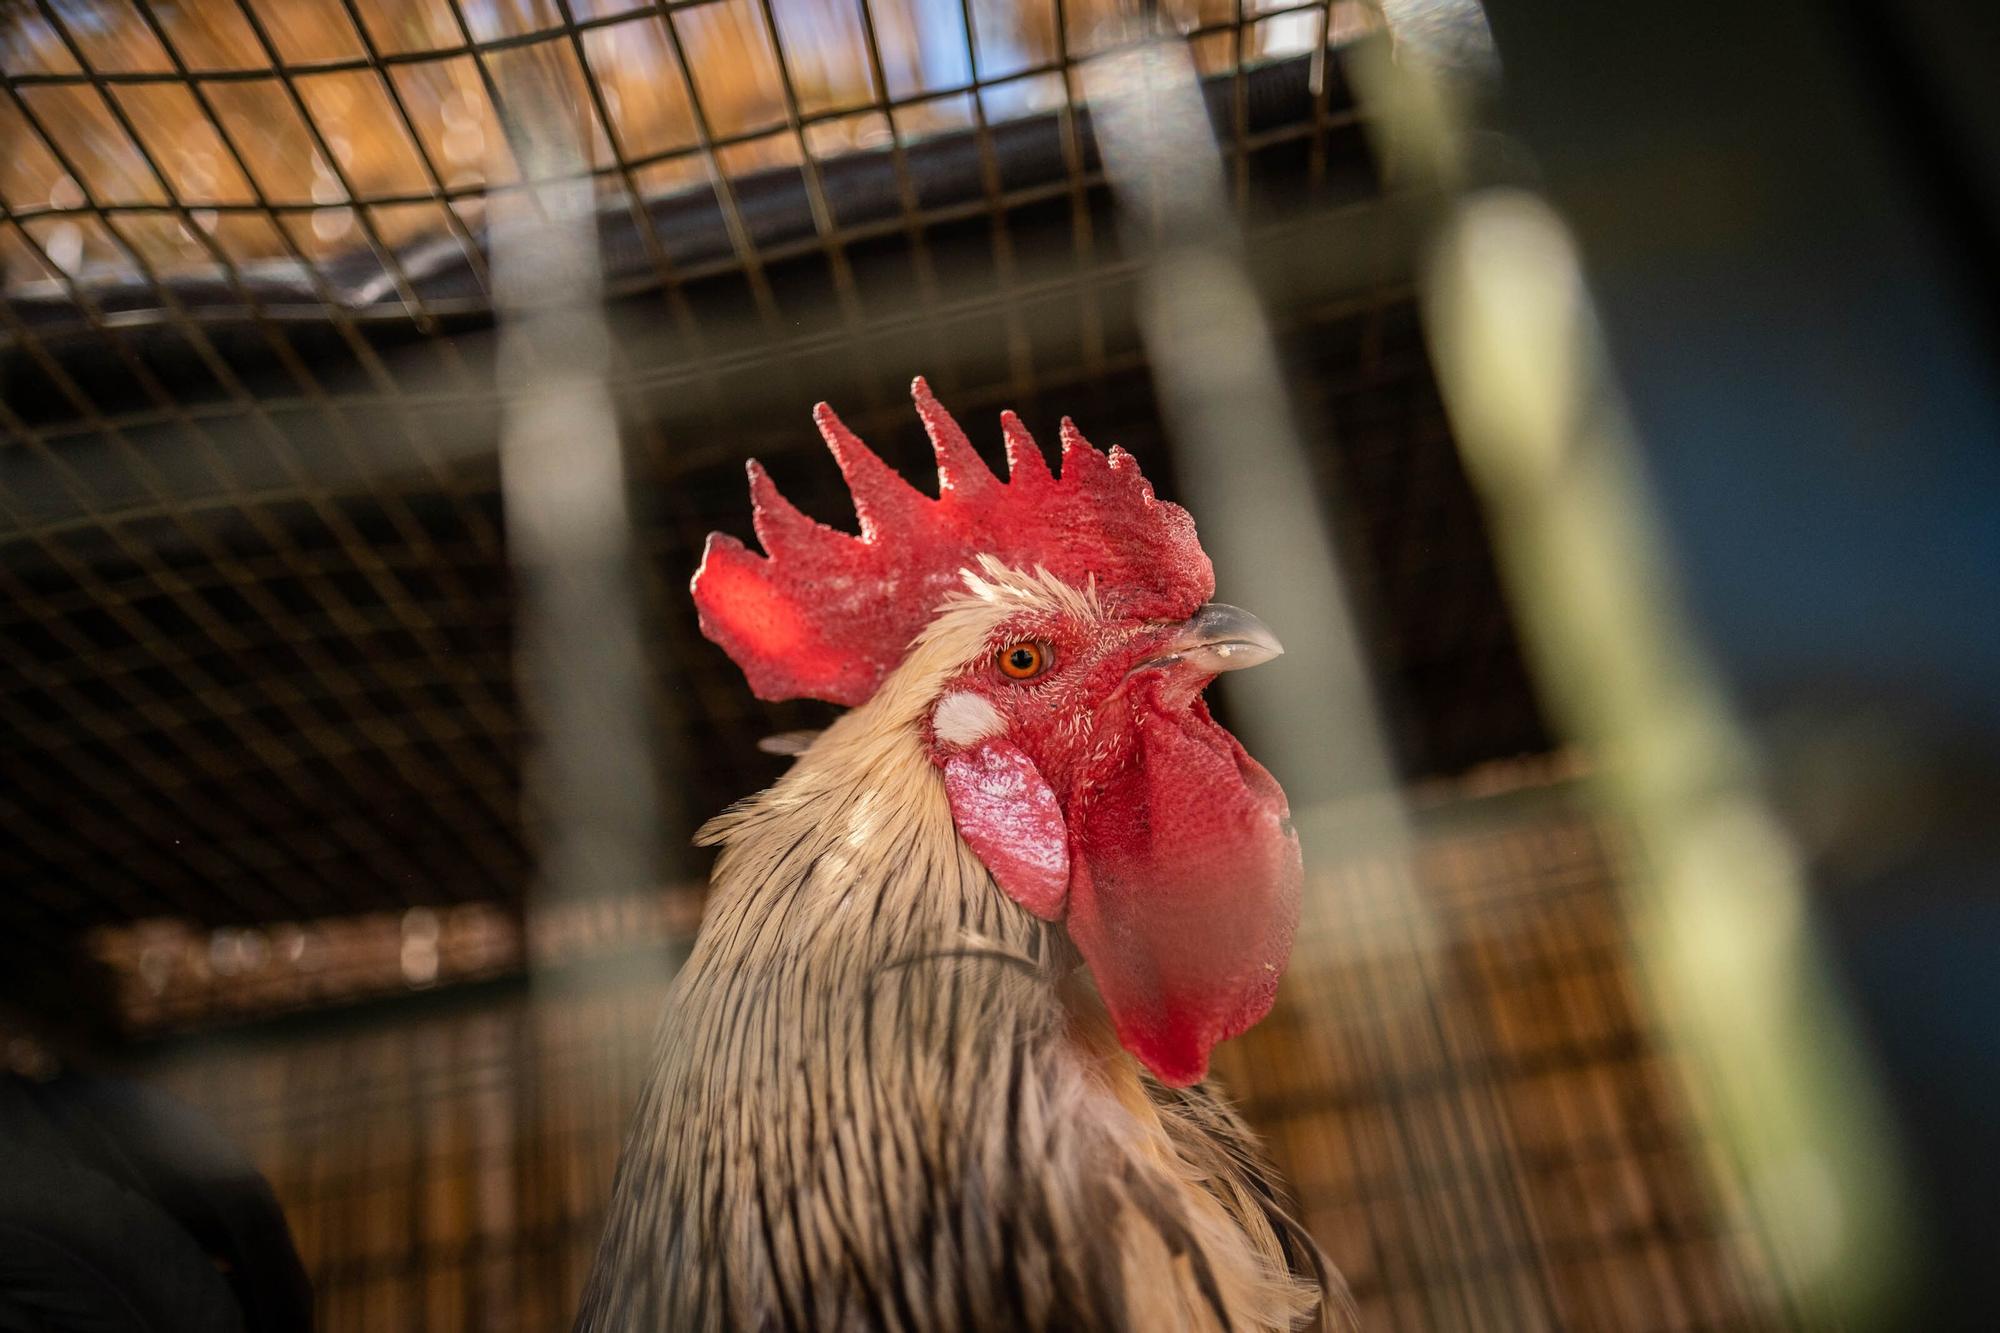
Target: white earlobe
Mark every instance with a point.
(964, 719)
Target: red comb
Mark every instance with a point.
(826, 615)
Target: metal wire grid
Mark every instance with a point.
(1443, 642)
(229, 528)
(832, 238)
(256, 623)
(137, 796)
(1226, 37)
(78, 413)
(450, 1171)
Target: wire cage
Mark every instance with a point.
(266, 727)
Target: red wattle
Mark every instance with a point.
(1009, 817)
(1185, 894)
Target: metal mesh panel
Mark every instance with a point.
(208, 140)
(256, 618)
(251, 560)
(450, 1170)
(281, 758)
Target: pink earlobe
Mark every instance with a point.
(1008, 816)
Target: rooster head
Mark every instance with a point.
(1048, 639)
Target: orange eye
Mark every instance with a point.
(1022, 661)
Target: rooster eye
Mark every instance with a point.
(1022, 661)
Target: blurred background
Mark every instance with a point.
(1600, 401)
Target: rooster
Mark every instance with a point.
(936, 1058)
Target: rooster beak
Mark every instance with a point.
(1219, 638)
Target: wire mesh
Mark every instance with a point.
(209, 139)
(300, 749)
(450, 1169)
(256, 636)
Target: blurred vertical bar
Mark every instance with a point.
(1235, 440)
(581, 665)
(1312, 715)
(1718, 894)
(1720, 908)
